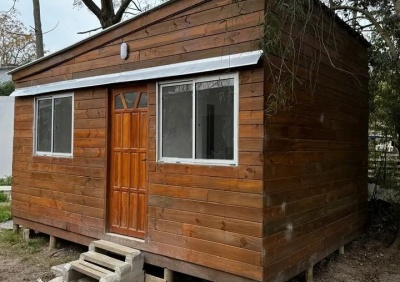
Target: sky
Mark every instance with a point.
(56, 13)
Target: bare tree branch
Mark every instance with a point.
(122, 9)
(385, 36)
(95, 29)
(93, 8)
(396, 4)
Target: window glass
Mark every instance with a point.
(214, 119)
(54, 125)
(118, 103)
(177, 121)
(62, 125)
(130, 99)
(198, 121)
(143, 101)
(44, 112)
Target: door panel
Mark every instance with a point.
(128, 179)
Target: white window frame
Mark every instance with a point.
(35, 128)
(193, 160)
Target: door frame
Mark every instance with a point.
(109, 142)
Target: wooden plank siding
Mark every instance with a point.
(297, 193)
(315, 162)
(68, 193)
(206, 215)
(217, 210)
(213, 29)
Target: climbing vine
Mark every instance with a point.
(287, 25)
(297, 37)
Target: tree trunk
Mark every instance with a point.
(354, 21)
(38, 29)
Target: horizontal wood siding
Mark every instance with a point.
(315, 165)
(297, 193)
(67, 193)
(214, 28)
(215, 210)
(206, 215)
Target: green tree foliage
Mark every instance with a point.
(6, 88)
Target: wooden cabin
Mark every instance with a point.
(154, 134)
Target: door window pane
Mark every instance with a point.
(130, 99)
(43, 127)
(143, 101)
(118, 103)
(214, 119)
(62, 125)
(177, 121)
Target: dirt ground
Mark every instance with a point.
(32, 261)
(365, 259)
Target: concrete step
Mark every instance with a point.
(111, 247)
(133, 257)
(78, 269)
(120, 267)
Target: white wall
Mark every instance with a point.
(6, 134)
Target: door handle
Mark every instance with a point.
(144, 160)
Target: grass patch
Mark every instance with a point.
(6, 181)
(17, 244)
(5, 212)
(3, 197)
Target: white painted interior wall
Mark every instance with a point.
(6, 135)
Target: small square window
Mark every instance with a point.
(53, 127)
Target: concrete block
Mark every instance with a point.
(52, 242)
(69, 274)
(151, 278)
(58, 270)
(27, 234)
(136, 260)
(168, 275)
(310, 274)
(134, 277)
(57, 279)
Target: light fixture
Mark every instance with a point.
(124, 51)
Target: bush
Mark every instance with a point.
(3, 197)
(5, 213)
(6, 88)
(6, 181)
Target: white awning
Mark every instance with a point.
(186, 68)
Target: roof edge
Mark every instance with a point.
(351, 31)
(325, 8)
(55, 53)
(159, 72)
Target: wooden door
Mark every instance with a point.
(128, 167)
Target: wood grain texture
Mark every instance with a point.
(128, 164)
(296, 194)
(206, 206)
(315, 161)
(65, 191)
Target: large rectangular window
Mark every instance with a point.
(53, 127)
(198, 120)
